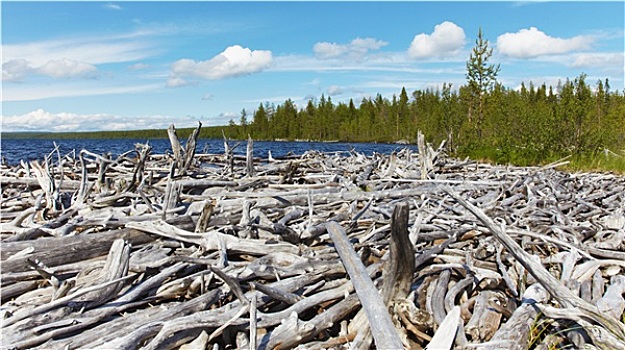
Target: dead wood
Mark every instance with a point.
(318, 250)
(399, 271)
(380, 321)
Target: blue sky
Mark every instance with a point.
(133, 65)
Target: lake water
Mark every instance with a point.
(14, 150)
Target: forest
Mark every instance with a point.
(532, 125)
(481, 119)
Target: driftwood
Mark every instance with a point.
(380, 322)
(316, 251)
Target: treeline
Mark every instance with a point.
(481, 119)
(529, 125)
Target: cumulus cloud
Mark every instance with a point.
(15, 70)
(530, 43)
(41, 119)
(233, 61)
(446, 39)
(207, 97)
(325, 50)
(355, 49)
(66, 68)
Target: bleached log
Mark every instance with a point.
(612, 302)
(190, 148)
(558, 219)
(63, 250)
(550, 283)
(438, 297)
(423, 156)
(215, 318)
(175, 146)
(249, 160)
(380, 322)
(455, 290)
(515, 333)
(309, 329)
(205, 216)
(32, 183)
(199, 343)
(485, 320)
(444, 336)
(47, 184)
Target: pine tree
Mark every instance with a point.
(481, 77)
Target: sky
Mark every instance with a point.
(91, 66)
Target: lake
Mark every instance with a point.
(14, 150)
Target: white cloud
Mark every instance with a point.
(138, 66)
(175, 81)
(47, 121)
(447, 39)
(327, 50)
(356, 49)
(70, 58)
(92, 51)
(112, 6)
(15, 70)
(335, 90)
(233, 61)
(227, 115)
(529, 43)
(26, 92)
(387, 62)
(207, 97)
(604, 60)
(66, 68)
(18, 69)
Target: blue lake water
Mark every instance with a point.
(14, 150)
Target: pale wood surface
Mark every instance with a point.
(159, 251)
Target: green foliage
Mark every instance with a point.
(529, 126)
(481, 78)
(598, 162)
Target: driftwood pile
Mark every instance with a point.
(321, 250)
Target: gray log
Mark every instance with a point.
(555, 288)
(399, 271)
(68, 249)
(514, 334)
(380, 322)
